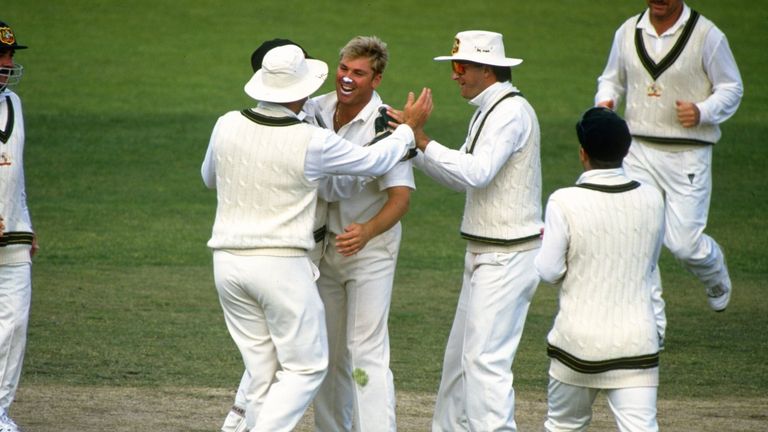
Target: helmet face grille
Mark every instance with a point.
(10, 76)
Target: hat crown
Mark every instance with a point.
(286, 76)
(480, 43)
(284, 66)
(480, 46)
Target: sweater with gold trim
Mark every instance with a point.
(604, 334)
(16, 241)
(655, 83)
(508, 210)
(265, 200)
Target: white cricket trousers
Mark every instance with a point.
(275, 317)
(15, 298)
(476, 391)
(685, 180)
(569, 408)
(357, 293)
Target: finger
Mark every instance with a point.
(348, 250)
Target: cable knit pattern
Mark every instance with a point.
(656, 116)
(13, 205)
(509, 208)
(605, 301)
(264, 198)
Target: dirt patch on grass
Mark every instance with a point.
(59, 408)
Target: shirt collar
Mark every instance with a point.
(327, 105)
(276, 110)
(646, 26)
(613, 176)
(490, 95)
(369, 109)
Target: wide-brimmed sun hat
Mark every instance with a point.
(258, 54)
(286, 76)
(480, 46)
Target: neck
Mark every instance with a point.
(662, 24)
(344, 114)
(295, 106)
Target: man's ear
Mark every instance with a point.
(376, 80)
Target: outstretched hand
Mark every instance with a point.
(417, 111)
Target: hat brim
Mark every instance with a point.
(501, 61)
(257, 89)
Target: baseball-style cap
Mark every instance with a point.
(257, 58)
(7, 38)
(480, 46)
(286, 76)
(603, 134)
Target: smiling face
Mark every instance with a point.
(472, 79)
(356, 81)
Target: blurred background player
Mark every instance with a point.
(17, 239)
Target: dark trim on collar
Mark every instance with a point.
(657, 69)
(269, 121)
(5, 135)
(619, 188)
(647, 361)
(479, 128)
(495, 241)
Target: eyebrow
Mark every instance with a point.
(355, 70)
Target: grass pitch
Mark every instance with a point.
(119, 101)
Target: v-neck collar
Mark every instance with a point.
(656, 69)
(5, 134)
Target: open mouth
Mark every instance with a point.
(346, 85)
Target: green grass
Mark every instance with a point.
(119, 101)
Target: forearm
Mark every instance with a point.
(394, 209)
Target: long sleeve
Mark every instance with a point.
(550, 262)
(329, 154)
(727, 87)
(505, 133)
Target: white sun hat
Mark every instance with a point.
(286, 76)
(480, 46)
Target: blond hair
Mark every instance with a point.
(370, 47)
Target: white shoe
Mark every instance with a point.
(718, 296)
(7, 424)
(235, 421)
